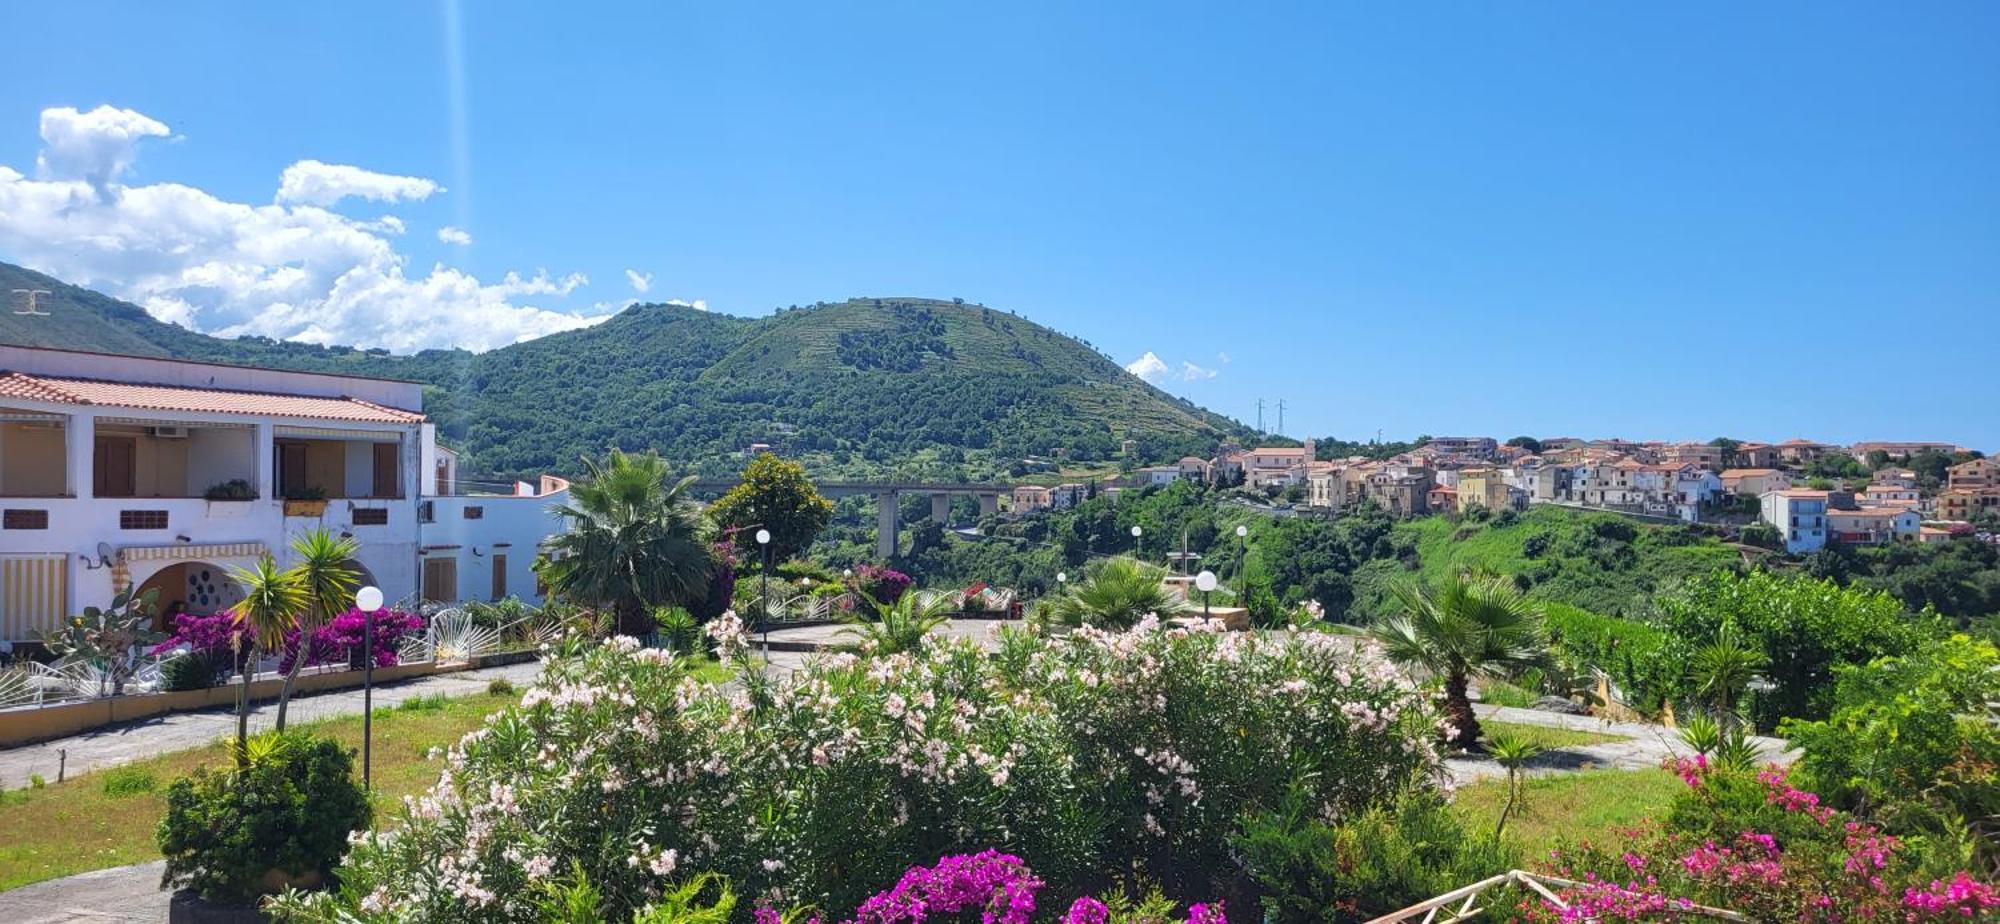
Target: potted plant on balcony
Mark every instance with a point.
(305, 501)
(229, 498)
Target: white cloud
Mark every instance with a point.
(289, 271)
(311, 182)
(1156, 370)
(96, 147)
(699, 304)
(1223, 358)
(451, 235)
(640, 281)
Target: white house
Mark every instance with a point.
(1873, 525)
(132, 472)
(1800, 515)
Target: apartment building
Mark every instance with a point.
(1873, 525)
(1889, 495)
(121, 472)
(1487, 488)
(1478, 447)
(1978, 475)
(1800, 515)
(1755, 482)
(1894, 476)
(1902, 450)
(1028, 498)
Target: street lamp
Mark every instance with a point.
(367, 600)
(1204, 582)
(1242, 548)
(764, 542)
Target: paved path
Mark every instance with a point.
(1640, 746)
(121, 894)
(129, 741)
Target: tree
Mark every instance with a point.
(1459, 628)
(776, 495)
(1532, 445)
(273, 599)
(633, 542)
(1116, 594)
(1721, 669)
(328, 584)
(900, 625)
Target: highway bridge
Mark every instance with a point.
(886, 494)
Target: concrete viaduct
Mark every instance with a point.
(886, 509)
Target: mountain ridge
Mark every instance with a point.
(904, 385)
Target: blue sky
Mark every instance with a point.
(1669, 221)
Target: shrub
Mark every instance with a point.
(679, 630)
(129, 781)
(281, 818)
(1804, 627)
(500, 686)
(883, 584)
(339, 640)
(235, 489)
(191, 671)
(1909, 741)
(1094, 757)
(1388, 857)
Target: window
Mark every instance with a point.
(440, 580)
(499, 576)
(371, 516)
(24, 519)
(426, 512)
(475, 513)
(142, 519)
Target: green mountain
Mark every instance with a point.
(915, 387)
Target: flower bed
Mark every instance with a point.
(1095, 758)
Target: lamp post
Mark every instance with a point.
(764, 543)
(1242, 549)
(367, 600)
(1204, 582)
(1137, 552)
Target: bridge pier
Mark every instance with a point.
(941, 509)
(989, 504)
(885, 525)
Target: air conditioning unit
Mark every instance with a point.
(167, 433)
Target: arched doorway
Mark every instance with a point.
(362, 576)
(197, 587)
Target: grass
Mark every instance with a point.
(106, 818)
(1545, 736)
(1588, 805)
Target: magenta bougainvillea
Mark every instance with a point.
(883, 584)
(332, 642)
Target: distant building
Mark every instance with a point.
(1956, 504)
(1873, 526)
(1158, 475)
(1977, 475)
(1478, 447)
(1702, 454)
(1800, 515)
(1028, 498)
(1804, 452)
(1755, 482)
(1902, 450)
(1755, 455)
(1483, 487)
(1888, 495)
(1895, 477)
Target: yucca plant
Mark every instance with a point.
(328, 582)
(1513, 752)
(1722, 669)
(272, 601)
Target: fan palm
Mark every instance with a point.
(328, 583)
(273, 600)
(900, 626)
(1461, 627)
(1115, 595)
(634, 542)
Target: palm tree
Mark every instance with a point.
(900, 626)
(1115, 595)
(328, 584)
(1463, 627)
(1722, 668)
(634, 542)
(272, 601)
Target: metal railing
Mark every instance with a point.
(1462, 904)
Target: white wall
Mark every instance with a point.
(34, 361)
(217, 454)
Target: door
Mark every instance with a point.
(499, 577)
(385, 470)
(115, 466)
(441, 580)
(291, 468)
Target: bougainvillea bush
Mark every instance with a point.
(1756, 844)
(1099, 758)
(881, 583)
(332, 642)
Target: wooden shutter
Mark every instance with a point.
(499, 577)
(115, 466)
(291, 468)
(441, 580)
(385, 470)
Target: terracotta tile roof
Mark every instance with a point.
(97, 392)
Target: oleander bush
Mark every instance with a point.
(1099, 758)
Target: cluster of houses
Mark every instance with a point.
(1685, 481)
(126, 473)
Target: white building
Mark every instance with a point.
(130, 472)
(1873, 525)
(1800, 515)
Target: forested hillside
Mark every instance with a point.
(867, 386)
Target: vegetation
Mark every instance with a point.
(900, 625)
(273, 598)
(280, 818)
(634, 542)
(326, 587)
(110, 640)
(1458, 628)
(774, 495)
(1114, 594)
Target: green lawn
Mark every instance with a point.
(1589, 805)
(75, 826)
(1548, 738)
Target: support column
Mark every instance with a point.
(265, 448)
(80, 449)
(941, 509)
(885, 525)
(989, 504)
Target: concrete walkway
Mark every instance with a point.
(112, 745)
(1639, 746)
(121, 894)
